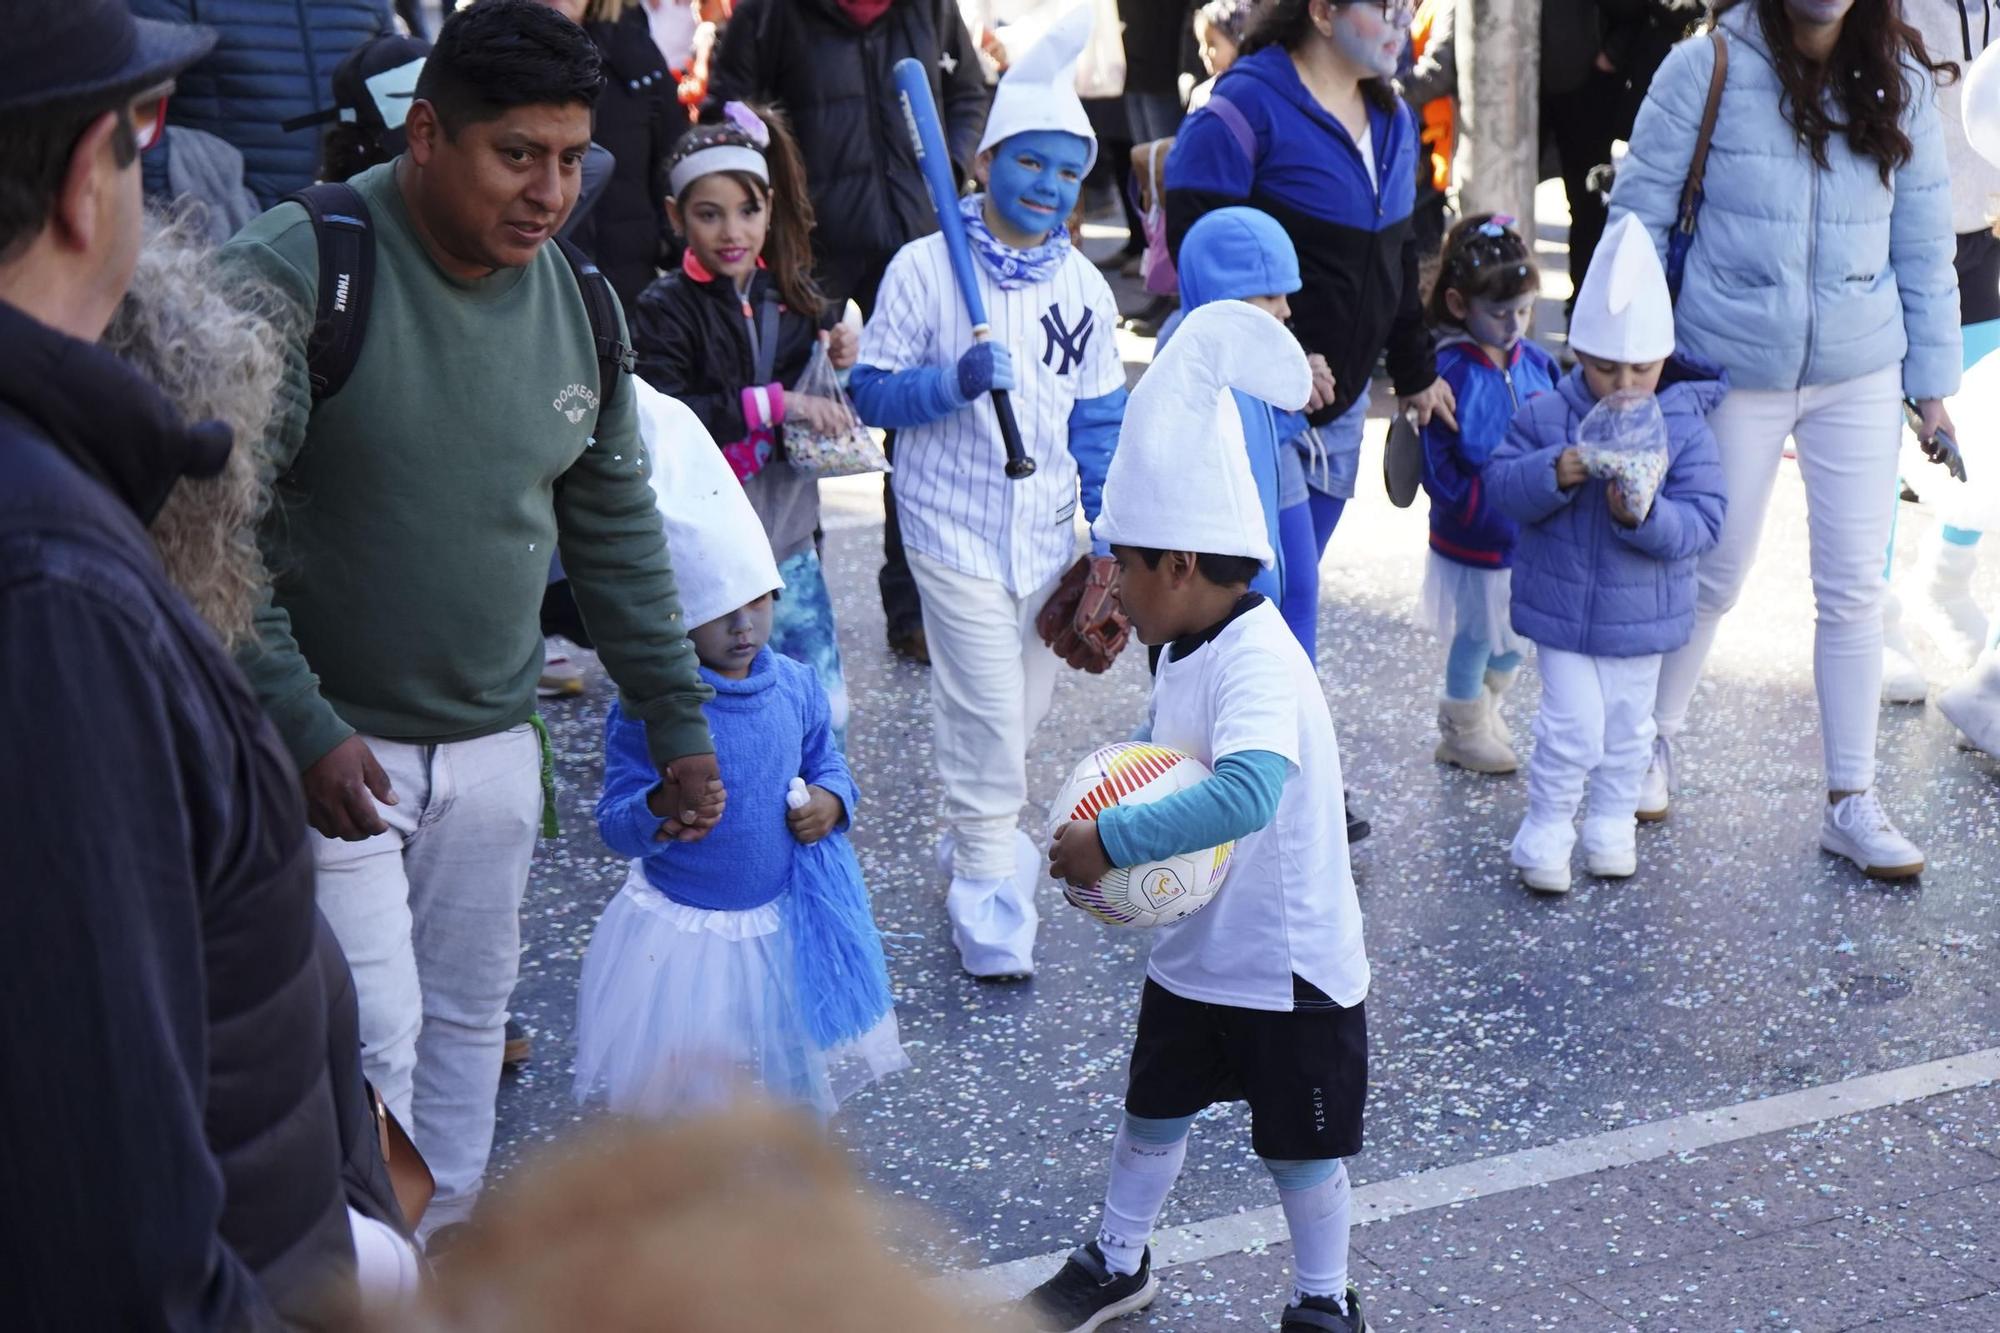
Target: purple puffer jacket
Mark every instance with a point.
(1583, 582)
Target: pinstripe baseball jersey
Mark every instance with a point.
(953, 497)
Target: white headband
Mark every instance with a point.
(722, 157)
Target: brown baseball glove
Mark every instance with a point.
(1082, 620)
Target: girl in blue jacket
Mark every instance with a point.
(1603, 588)
(1480, 307)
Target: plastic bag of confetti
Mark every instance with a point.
(1623, 440)
(823, 435)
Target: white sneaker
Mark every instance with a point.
(1858, 828)
(1545, 879)
(562, 676)
(1656, 789)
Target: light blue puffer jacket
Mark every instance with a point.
(1797, 276)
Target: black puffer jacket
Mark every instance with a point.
(693, 344)
(639, 120)
(172, 1158)
(832, 80)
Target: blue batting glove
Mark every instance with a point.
(985, 367)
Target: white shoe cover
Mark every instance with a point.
(1903, 681)
(993, 921)
(1973, 704)
(1610, 848)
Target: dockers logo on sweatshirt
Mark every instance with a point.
(576, 402)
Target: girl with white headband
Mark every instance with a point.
(732, 327)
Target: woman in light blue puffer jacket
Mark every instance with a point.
(1821, 280)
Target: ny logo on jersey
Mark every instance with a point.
(1071, 341)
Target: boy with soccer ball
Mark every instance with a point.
(989, 552)
(1257, 997)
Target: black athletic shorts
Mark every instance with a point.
(1978, 266)
(1304, 1073)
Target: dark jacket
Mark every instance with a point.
(639, 120)
(172, 1159)
(1583, 582)
(693, 344)
(832, 79)
(1357, 254)
(273, 60)
(1466, 527)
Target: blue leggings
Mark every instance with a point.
(1303, 532)
(1289, 1174)
(1465, 668)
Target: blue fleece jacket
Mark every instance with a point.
(1231, 254)
(769, 727)
(1465, 526)
(1583, 582)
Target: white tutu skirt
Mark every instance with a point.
(682, 1009)
(1458, 599)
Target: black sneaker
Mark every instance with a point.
(1357, 827)
(1086, 1293)
(1324, 1314)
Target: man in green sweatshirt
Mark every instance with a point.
(418, 508)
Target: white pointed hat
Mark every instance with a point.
(1979, 105)
(722, 559)
(1624, 312)
(1038, 91)
(1180, 478)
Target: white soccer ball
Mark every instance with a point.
(1156, 892)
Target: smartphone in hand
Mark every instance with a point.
(1942, 449)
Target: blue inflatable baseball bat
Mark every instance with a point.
(913, 89)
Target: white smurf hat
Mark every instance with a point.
(722, 559)
(1624, 313)
(1038, 91)
(1180, 478)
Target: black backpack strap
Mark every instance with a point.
(346, 236)
(614, 355)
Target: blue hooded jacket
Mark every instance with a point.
(1228, 255)
(1465, 525)
(1262, 140)
(1583, 582)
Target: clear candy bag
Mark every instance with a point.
(843, 453)
(1624, 440)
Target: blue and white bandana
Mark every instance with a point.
(1011, 268)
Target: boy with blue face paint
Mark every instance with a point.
(988, 552)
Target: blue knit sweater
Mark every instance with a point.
(769, 727)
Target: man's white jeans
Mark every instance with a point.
(1595, 724)
(1847, 437)
(429, 915)
(992, 678)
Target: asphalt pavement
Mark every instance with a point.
(1740, 964)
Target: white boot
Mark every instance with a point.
(1469, 740)
(1941, 599)
(1903, 681)
(1497, 685)
(1973, 704)
(993, 921)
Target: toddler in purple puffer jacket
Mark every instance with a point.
(1603, 590)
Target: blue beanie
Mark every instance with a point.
(1233, 253)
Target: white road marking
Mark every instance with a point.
(1198, 1242)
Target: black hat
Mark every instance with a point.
(74, 50)
(356, 102)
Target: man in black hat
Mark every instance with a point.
(171, 1155)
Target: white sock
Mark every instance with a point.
(1317, 1217)
(1141, 1175)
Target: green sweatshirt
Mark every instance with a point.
(416, 509)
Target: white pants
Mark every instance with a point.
(1847, 437)
(429, 915)
(1595, 725)
(992, 678)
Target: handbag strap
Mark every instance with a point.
(1698, 165)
